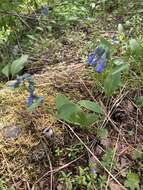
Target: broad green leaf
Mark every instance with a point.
(18, 65)
(120, 28)
(80, 119)
(66, 111)
(61, 100)
(121, 68)
(118, 62)
(112, 83)
(133, 44)
(86, 120)
(32, 37)
(132, 181)
(139, 101)
(6, 70)
(92, 106)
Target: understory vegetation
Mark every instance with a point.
(71, 95)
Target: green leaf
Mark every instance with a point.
(105, 43)
(132, 181)
(118, 62)
(66, 111)
(88, 119)
(120, 28)
(6, 70)
(92, 106)
(107, 159)
(102, 133)
(80, 119)
(120, 69)
(18, 65)
(137, 154)
(32, 37)
(112, 83)
(133, 44)
(61, 100)
(139, 101)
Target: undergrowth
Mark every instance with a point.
(97, 106)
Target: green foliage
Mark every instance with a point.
(3, 186)
(139, 101)
(101, 182)
(92, 106)
(107, 159)
(137, 154)
(58, 152)
(85, 179)
(66, 180)
(119, 64)
(112, 83)
(133, 44)
(132, 181)
(102, 133)
(73, 151)
(120, 28)
(15, 67)
(73, 113)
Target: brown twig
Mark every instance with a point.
(57, 170)
(88, 149)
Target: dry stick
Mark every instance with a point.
(22, 20)
(136, 133)
(56, 170)
(88, 149)
(124, 169)
(118, 101)
(51, 168)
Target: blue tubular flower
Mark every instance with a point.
(101, 63)
(92, 59)
(30, 100)
(33, 98)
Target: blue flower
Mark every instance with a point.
(30, 100)
(98, 59)
(101, 63)
(45, 10)
(92, 59)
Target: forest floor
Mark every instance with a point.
(33, 159)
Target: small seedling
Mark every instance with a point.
(74, 113)
(132, 181)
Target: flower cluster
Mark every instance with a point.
(98, 59)
(31, 88)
